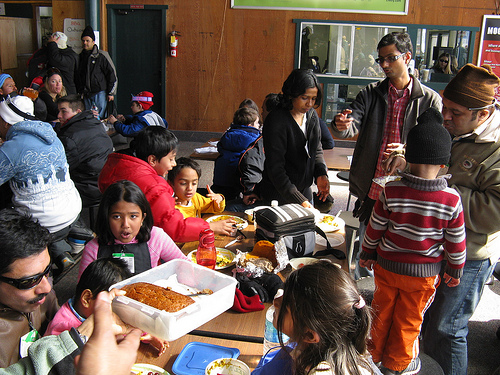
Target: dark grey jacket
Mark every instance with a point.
(369, 111)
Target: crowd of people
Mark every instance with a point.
(428, 238)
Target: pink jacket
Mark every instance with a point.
(160, 246)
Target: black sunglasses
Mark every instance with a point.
(27, 282)
(444, 61)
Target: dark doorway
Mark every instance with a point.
(137, 44)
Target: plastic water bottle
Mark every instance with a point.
(271, 338)
(206, 255)
(94, 108)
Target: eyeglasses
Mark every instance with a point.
(389, 59)
(27, 282)
(444, 61)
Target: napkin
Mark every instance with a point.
(205, 150)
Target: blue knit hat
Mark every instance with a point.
(3, 77)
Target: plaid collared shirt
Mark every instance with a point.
(396, 108)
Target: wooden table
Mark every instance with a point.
(211, 156)
(336, 158)
(244, 331)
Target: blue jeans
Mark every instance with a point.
(100, 100)
(445, 334)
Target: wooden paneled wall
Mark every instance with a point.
(226, 55)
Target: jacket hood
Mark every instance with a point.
(39, 129)
(86, 115)
(239, 137)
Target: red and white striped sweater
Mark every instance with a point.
(411, 222)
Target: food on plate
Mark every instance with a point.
(329, 220)
(222, 260)
(240, 223)
(157, 297)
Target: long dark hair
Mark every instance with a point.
(323, 298)
(122, 191)
(296, 84)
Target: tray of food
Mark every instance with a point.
(225, 258)
(240, 222)
(174, 298)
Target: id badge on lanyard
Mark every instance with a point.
(26, 342)
(128, 258)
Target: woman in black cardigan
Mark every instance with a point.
(292, 143)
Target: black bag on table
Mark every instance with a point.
(293, 223)
(296, 225)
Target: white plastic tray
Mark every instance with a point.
(171, 326)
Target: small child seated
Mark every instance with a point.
(97, 277)
(184, 178)
(243, 134)
(142, 116)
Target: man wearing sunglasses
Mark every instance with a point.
(27, 300)
(382, 115)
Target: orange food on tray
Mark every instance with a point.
(157, 297)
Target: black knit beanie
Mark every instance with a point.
(88, 31)
(428, 142)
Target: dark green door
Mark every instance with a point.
(137, 44)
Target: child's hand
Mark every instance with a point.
(155, 342)
(450, 281)
(112, 119)
(223, 227)
(217, 198)
(368, 264)
(120, 118)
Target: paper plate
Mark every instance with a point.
(145, 368)
(327, 225)
(335, 239)
(240, 223)
(297, 263)
(220, 252)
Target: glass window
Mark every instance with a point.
(439, 54)
(342, 49)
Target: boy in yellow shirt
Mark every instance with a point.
(184, 178)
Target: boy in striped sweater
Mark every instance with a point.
(416, 223)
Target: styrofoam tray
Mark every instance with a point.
(184, 277)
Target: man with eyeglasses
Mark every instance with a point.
(27, 301)
(472, 116)
(382, 115)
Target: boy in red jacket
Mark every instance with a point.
(154, 152)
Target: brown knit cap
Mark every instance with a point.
(472, 87)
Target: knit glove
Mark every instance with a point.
(363, 209)
(271, 282)
(250, 287)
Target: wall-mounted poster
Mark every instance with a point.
(489, 46)
(347, 6)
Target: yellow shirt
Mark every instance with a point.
(201, 205)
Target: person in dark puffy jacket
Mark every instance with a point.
(96, 74)
(86, 144)
(244, 131)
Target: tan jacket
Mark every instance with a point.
(475, 170)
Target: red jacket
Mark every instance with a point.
(158, 193)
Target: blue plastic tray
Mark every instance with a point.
(195, 357)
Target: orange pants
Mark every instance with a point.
(399, 303)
